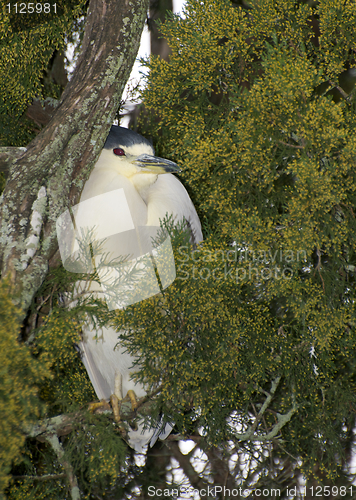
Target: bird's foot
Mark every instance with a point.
(116, 405)
(99, 407)
(117, 402)
(132, 396)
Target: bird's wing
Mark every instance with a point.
(168, 196)
(100, 384)
(103, 357)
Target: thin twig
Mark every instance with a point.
(144, 400)
(45, 477)
(318, 267)
(291, 145)
(342, 92)
(282, 420)
(53, 440)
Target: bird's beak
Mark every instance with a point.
(155, 165)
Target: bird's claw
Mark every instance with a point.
(132, 396)
(99, 406)
(116, 406)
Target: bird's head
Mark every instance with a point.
(133, 157)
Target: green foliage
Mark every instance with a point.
(270, 163)
(98, 454)
(69, 387)
(27, 43)
(19, 376)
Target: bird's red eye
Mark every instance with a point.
(119, 152)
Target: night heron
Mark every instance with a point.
(128, 191)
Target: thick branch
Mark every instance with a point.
(7, 156)
(220, 468)
(45, 477)
(59, 425)
(195, 480)
(41, 112)
(62, 425)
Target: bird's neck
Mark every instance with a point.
(142, 183)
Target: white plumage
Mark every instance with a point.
(127, 162)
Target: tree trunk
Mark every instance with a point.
(158, 11)
(50, 175)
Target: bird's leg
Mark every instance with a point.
(118, 391)
(114, 400)
(117, 397)
(132, 396)
(118, 385)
